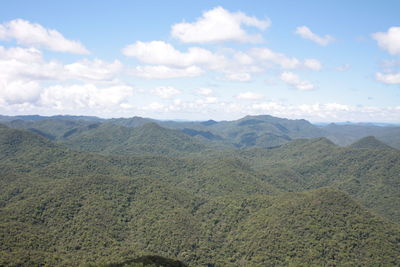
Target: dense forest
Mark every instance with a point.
(259, 191)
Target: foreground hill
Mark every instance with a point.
(59, 207)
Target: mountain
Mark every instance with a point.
(347, 134)
(370, 142)
(131, 122)
(372, 176)
(149, 138)
(54, 128)
(60, 207)
(250, 131)
(262, 131)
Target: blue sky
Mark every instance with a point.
(198, 60)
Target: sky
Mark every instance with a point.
(324, 61)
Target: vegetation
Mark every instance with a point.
(110, 195)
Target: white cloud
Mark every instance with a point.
(20, 54)
(235, 65)
(96, 70)
(21, 70)
(211, 100)
(204, 91)
(249, 96)
(391, 78)
(166, 91)
(164, 72)
(84, 96)
(243, 58)
(23, 73)
(161, 53)
(265, 56)
(33, 34)
(293, 80)
(207, 100)
(238, 77)
(390, 40)
(312, 64)
(154, 106)
(18, 92)
(219, 25)
(26, 63)
(201, 109)
(268, 55)
(306, 33)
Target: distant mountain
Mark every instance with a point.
(150, 138)
(54, 128)
(370, 142)
(347, 134)
(262, 131)
(131, 122)
(250, 131)
(38, 118)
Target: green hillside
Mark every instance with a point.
(369, 142)
(158, 191)
(251, 131)
(348, 134)
(372, 176)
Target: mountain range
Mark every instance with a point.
(259, 191)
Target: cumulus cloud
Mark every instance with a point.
(161, 53)
(293, 80)
(154, 106)
(27, 64)
(25, 77)
(84, 96)
(268, 55)
(249, 96)
(165, 72)
(24, 70)
(21, 70)
(96, 70)
(238, 77)
(19, 92)
(33, 34)
(306, 33)
(201, 109)
(167, 61)
(204, 91)
(219, 25)
(166, 91)
(312, 64)
(390, 40)
(390, 78)
(326, 112)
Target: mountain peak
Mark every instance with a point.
(370, 142)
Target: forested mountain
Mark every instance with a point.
(348, 134)
(86, 191)
(250, 131)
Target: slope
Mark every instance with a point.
(370, 142)
(372, 176)
(61, 207)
